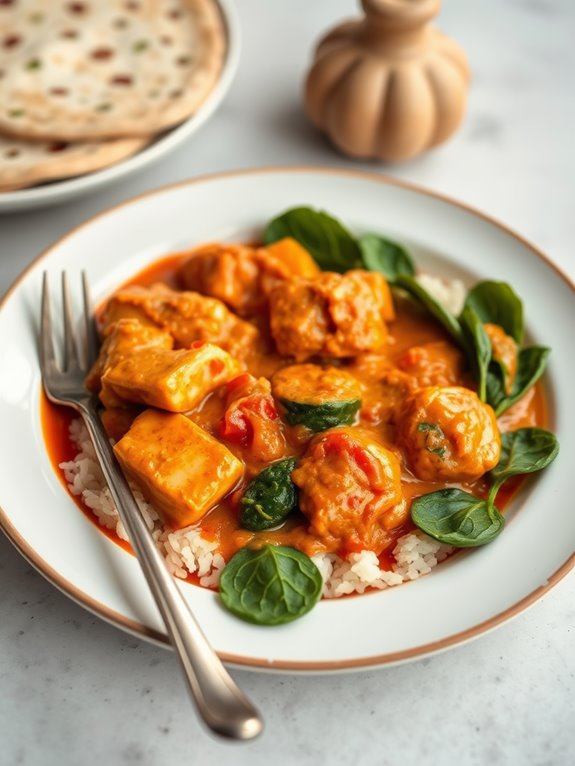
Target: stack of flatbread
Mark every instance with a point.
(86, 84)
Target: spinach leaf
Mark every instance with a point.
(495, 387)
(387, 257)
(526, 450)
(457, 518)
(497, 303)
(531, 362)
(439, 312)
(320, 417)
(493, 302)
(271, 585)
(435, 438)
(478, 348)
(270, 497)
(497, 377)
(332, 246)
(463, 520)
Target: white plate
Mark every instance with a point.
(58, 191)
(464, 597)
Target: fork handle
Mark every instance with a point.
(221, 704)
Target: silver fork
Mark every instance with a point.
(221, 704)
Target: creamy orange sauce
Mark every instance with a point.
(410, 328)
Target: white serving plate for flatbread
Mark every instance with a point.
(72, 188)
(470, 594)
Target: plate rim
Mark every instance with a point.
(291, 666)
(36, 197)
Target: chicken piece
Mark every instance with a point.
(504, 350)
(186, 316)
(335, 315)
(180, 469)
(251, 420)
(384, 386)
(230, 273)
(448, 434)
(242, 277)
(384, 398)
(370, 367)
(434, 364)
(171, 380)
(350, 491)
(122, 339)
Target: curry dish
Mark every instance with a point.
(229, 360)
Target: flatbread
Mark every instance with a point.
(25, 163)
(77, 71)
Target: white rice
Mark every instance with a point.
(187, 552)
(449, 292)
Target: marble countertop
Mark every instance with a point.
(75, 690)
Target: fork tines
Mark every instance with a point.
(73, 358)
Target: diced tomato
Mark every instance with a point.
(216, 366)
(251, 419)
(338, 442)
(342, 443)
(235, 427)
(235, 385)
(261, 404)
(366, 463)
